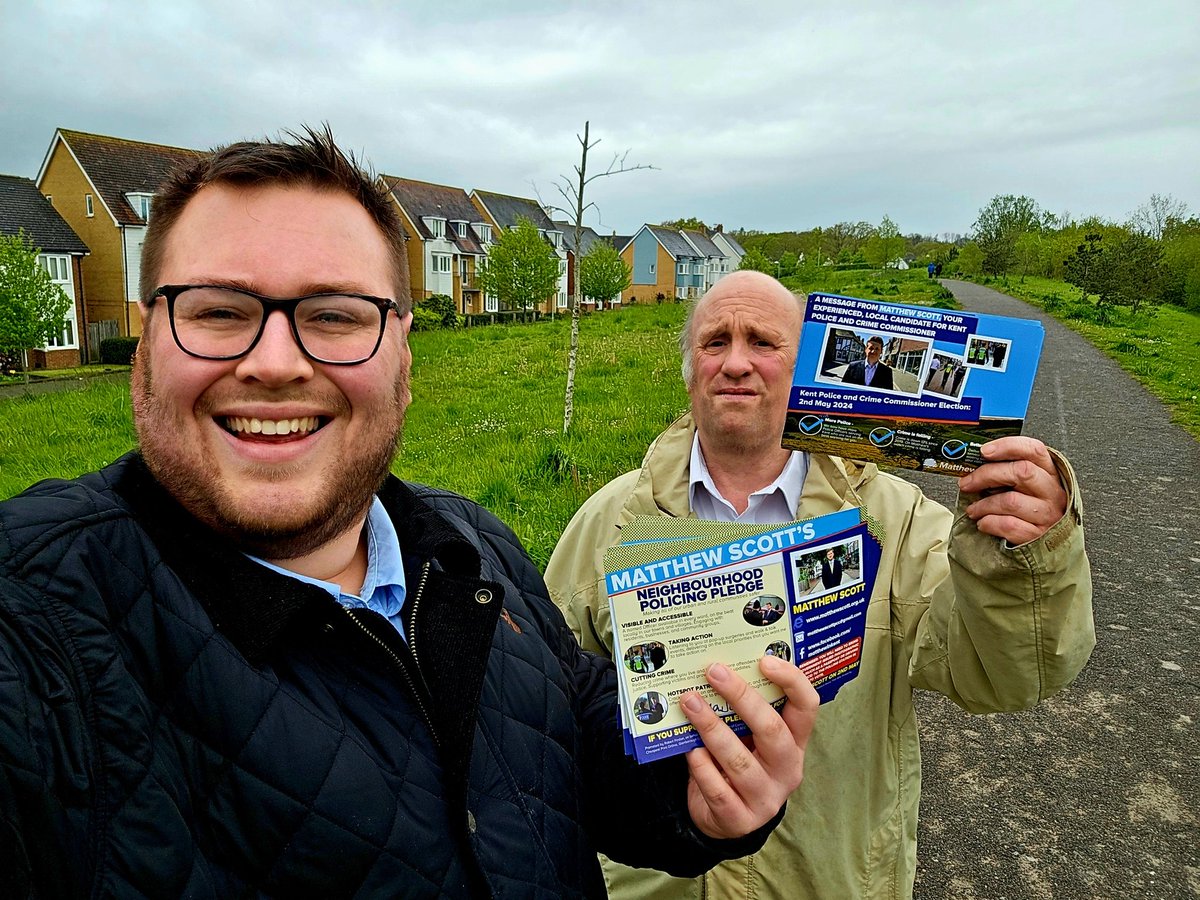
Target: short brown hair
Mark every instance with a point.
(308, 157)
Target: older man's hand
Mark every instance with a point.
(738, 785)
(1022, 495)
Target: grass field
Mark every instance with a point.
(486, 417)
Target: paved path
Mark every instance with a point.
(1095, 793)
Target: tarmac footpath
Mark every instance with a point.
(1095, 793)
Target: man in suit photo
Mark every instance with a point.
(870, 372)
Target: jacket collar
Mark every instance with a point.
(249, 604)
(832, 483)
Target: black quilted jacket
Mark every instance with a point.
(177, 721)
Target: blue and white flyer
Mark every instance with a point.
(909, 386)
(685, 593)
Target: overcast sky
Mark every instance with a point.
(770, 115)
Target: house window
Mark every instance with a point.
(555, 239)
(485, 234)
(491, 304)
(437, 227)
(682, 269)
(140, 203)
(59, 270)
(441, 262)
(87, 203)
(562, 299)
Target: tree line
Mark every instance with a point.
(1152, 257)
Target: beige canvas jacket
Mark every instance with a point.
(992, 627)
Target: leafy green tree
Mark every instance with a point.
(1082, 267)
(689, 224)
(1031, 253)
(1130, 273)
(521, 269)
(886, 245)
(1181, 261)
(999, 225)
(787, 264)
(970, 259)
(32, 307)
(602, 273)
(756, 261)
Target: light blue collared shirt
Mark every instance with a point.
(384, 589)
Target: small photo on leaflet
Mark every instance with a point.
(828, 568)
(650, 707)
(988, 353)
(765, 609)
(873, 361)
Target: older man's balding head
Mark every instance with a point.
(746, 283)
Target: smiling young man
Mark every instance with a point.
(246, 661)
(991, 607)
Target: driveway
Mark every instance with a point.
(1096, 792)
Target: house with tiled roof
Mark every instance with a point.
(504, 211)
(588, 237)
(24, 211)
(716, 262)
(102, 186)
(664, 266)
(448, 239)
(729, 247)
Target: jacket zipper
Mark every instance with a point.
(408, 679)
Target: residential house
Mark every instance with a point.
(731, 248)
(663, 266)
(448, 240)
(716, 262)
(23, 210)
(103, 187)
(587, 238)
(503, 212)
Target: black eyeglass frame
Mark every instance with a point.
(269, 304)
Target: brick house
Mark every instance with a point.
(448, 239)
(23, 210)
(503, 211)
(102, 186)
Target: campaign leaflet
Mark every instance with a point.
(684, 593)
(940, 384)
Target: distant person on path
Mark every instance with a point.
(931, 268)
(870, 372)
(990, 606)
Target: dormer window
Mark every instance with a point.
(484, 231)
(460, 228)
(140, 202)
(555, 239)
(436, 226)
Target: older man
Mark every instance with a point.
(248, 662)
(991, 607)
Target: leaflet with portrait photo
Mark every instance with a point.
(909, 386)
(684, 593)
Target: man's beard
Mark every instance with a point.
(274, 534)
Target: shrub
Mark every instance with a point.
(118, 351)
(443, 307)
(425, 319)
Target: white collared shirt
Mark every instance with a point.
(774, 504)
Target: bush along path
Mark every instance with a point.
(1095, 793)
